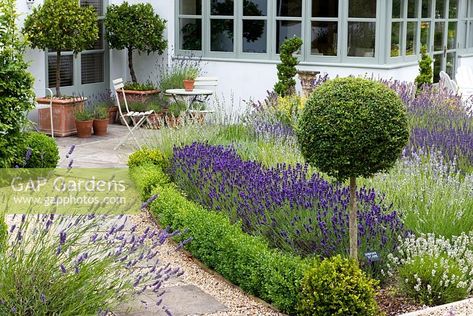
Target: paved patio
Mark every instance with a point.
(198, 291)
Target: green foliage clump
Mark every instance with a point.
(353, 127)
(287, 68)
(16, 85)
(139, 86)
(38, 151)
(426, 74)
(61, 25)
(147, 179)
(177, 107)
(84, 115)
(135, 27)
(3, 233)
(147, 156)
(433, 280)
(242, 259)
(173, 78)
(101, 113)
(337, 286)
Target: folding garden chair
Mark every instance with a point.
(49, 106)
(137, 118)
(209, 83)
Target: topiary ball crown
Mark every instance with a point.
(353, 127)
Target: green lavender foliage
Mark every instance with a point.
(287, 68)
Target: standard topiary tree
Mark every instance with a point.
(135, 27)
(16, 85)
(287, 68)
(61, 25)
(353, 127)
(426, 74)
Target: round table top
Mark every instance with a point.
(193, 92)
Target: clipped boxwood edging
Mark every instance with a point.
(244, 260)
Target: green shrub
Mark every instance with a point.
(353, 127)
(16, 85)
(287, 68)
(337, 287)
(146, 178)
(426, 74)
(84, 115)
(242, 259)
(135, 27)
(139, 86)
(433, 280)
(39, 151)
(147, 156)
(3, 233)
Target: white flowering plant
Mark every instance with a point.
(433, 269)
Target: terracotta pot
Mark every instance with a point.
(100, 127)
(172, 121)
(112, 114)
(84, 128)
(137, 96)
(63, 116)
(156, 119)
(188, 85)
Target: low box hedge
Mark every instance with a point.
(244, 260)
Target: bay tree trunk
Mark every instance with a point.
(58, 73)
(130, 65)
(353, 221)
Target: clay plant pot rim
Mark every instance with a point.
(89, 121)
(144, 92)
(61, 100)
(100, 120)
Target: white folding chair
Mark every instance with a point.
(209, 83)
(137, 118)
(49, 106)
(448, 83)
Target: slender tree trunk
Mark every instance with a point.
(58, 73)
(353, 223)
(130, 65)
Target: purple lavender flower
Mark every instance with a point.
(148, 201)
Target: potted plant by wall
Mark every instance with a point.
(101, 119)
(61, 25)
(136, 28)
(84, 120)
(189, 78)
(173, 115)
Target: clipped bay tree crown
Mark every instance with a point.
(135, 27)
(353, 127)
(61, 25)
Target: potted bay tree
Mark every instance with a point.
(61, 25)
(135, 27)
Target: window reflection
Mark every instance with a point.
(191, 7)
(361, 39)
(254, 36)
(221, 33)
(324, 38)
(324, 8)
(362, 8)
(285, 30)
(289, 8)
(255, 7)
(221, 7)
(191, 34)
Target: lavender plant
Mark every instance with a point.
(73, 265)
(295, 212)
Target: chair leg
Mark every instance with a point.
(130, 133)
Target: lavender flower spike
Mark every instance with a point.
(148, 201)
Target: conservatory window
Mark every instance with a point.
(324, 28)
(361, 28)
(222, 25)
(190, 21)
(255, 26)
(288, 20)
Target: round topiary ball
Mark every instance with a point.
(39, 151)
(337, 287)
(353, 127)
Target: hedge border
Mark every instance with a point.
(246, 261)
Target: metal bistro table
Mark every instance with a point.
(189, 96)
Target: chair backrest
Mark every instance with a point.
(118, 86)
(464, 77)
(447, 82)
(206, 82)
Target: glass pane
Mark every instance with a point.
(324, 8)
(362, 8)
(221, 7)
(438, 36)
(453, 9)
(254, 36)
(452, 35)
(437, 67)
(450, 65)
(92, 68)
(361, 39)
(411, 40)
(285, 30)
(462, 39)
(221, 34)
(396, 39)
(470, 34)
(191, 7)
(412, 9)
(440, 9)
(426, 8)
(97, 4)
(425, 34)
(191, 34)
(66, 71)
(289, 8)
(255, 7)
(396, 9)
(324, 38)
